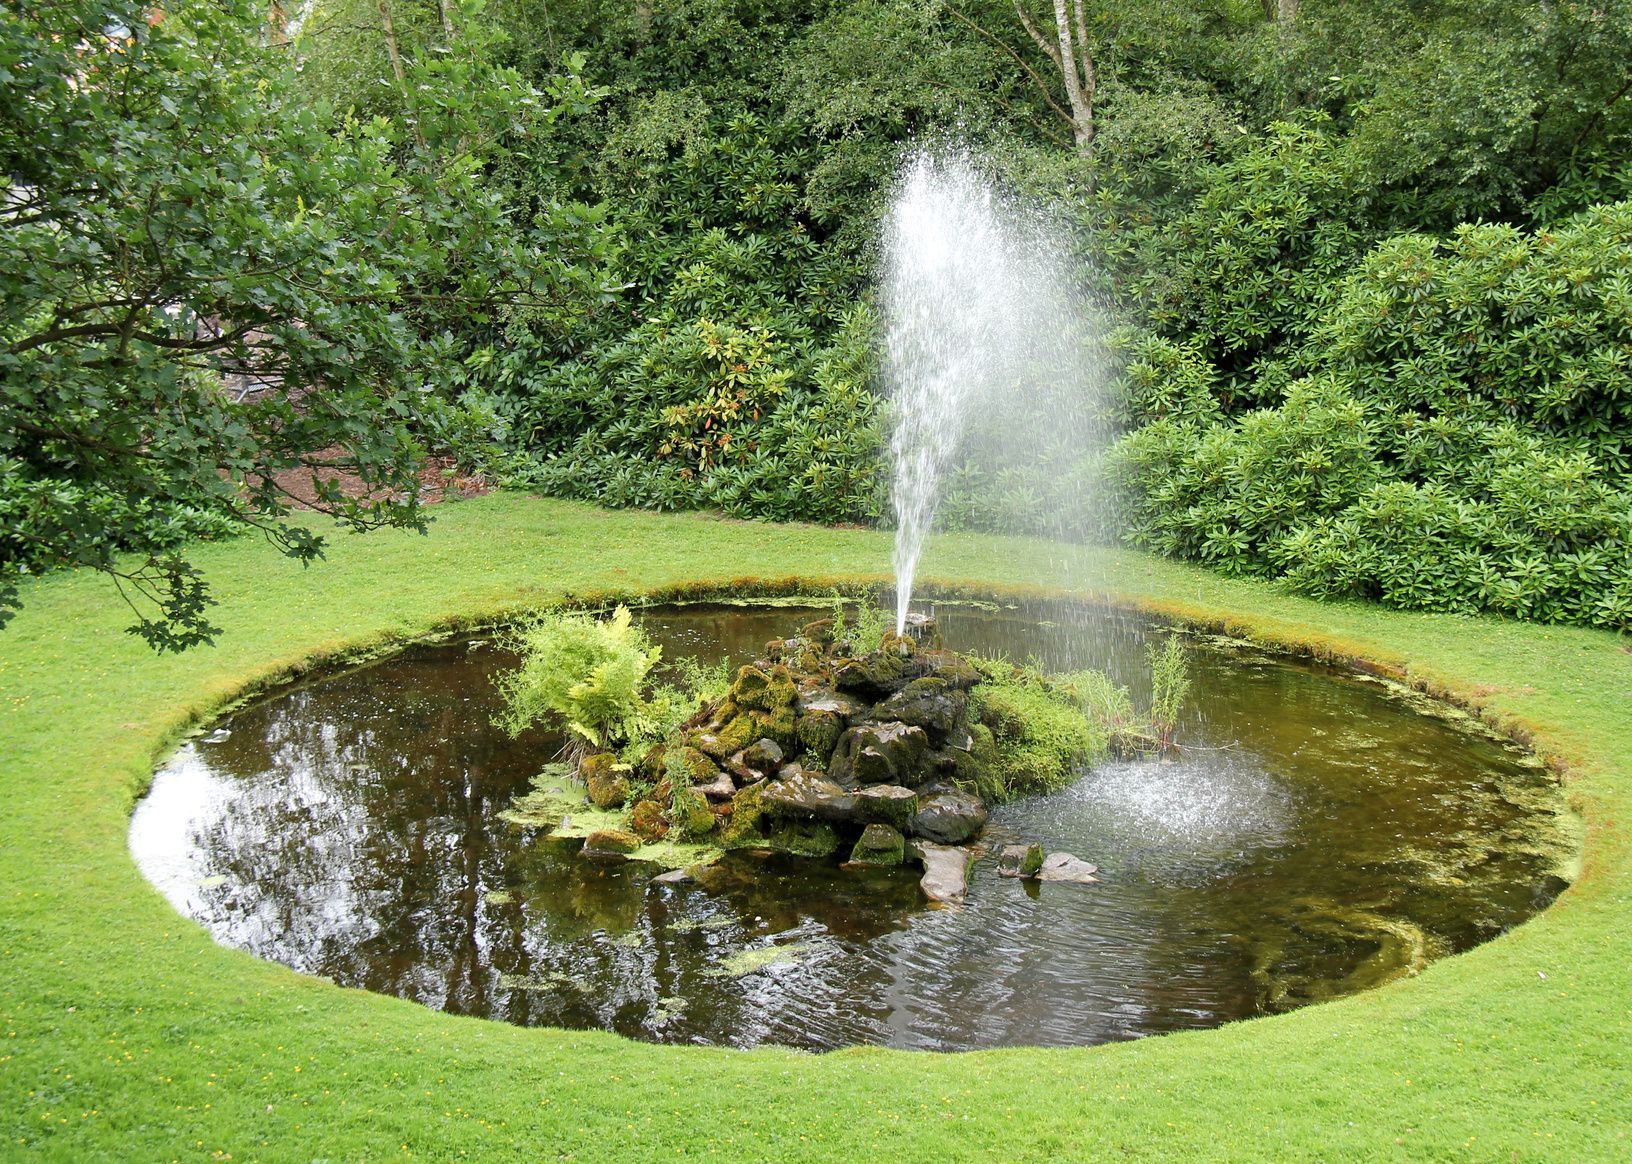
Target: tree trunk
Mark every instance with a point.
(389, 28)
(1075, 62)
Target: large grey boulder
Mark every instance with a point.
(927, 703)
(879, 753)
(950, 817)
(801, 793)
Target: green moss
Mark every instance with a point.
(647, 819)
(612, 841)
(1042, 735)
(751, 961)
(817, 732)
(879, 844)
(692, 765)
(803, 840)
(766, 691)
(742, 828)
(605, 779)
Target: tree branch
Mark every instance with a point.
(1042, 85)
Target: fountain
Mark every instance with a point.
(985, 350)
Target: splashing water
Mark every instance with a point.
(980, 337)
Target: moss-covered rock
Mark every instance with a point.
(764, 756)
(743, 829)
(803, 840)
(879, 844)
(805, 795)
(1020, 860)
(689, 814)
(611, 841)
(949, 818)
(928, 703)
(605, 779)
(646, 820)
(888, 804)
(880, 753)
(874, 676)
(952, 669)
(817, 732)
(819, 632)
(761, 690)
(696, 767)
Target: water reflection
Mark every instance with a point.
(1321, 837)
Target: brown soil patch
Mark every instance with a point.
(439, 481)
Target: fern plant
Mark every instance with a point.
(589, 672)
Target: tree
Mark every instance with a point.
(204, 286)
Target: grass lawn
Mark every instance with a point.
(125, 1033)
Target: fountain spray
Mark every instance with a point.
(980, 332)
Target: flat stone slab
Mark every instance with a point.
(826, 699)
(946, 871)
(1065, 867)
(806, 795)
(720, 788)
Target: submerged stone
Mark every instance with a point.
(949, 817)
(879, 844)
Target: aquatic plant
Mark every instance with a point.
(1169, 686)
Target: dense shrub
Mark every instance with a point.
(1462, 444)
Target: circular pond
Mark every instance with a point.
(1317, 835)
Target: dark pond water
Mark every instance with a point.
(1319, 835)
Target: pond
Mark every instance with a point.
(1318, 834)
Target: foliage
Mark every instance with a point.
(1169, 688)
(590, 672)
(863, 624)
(1045, 734)
(1459, 442)
(207, 285)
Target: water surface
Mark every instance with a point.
(1319, 835)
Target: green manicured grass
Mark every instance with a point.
(125, 1033)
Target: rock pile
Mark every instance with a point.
(817, 747)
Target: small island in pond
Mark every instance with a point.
(846, 739)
